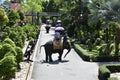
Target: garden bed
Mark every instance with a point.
(92, 56)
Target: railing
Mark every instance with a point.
(43, 14)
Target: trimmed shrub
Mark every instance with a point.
(114, 68)
(13, 16)
(7, 67)
(104, 58)
(19, 56)
(9, 41)
(31, 41)
(112, 78)
(20, 43)
(85, 56)
(92, 56)
(5, 49)
(104, 73)
(106, 70)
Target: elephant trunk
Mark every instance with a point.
(67, 52)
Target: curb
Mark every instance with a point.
(29, 72)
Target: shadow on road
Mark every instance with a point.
(55, 62)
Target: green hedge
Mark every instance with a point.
(7, 67)
(112, 78)
(91, 57)
(105, 58)
(85, 56)
(106, 70)
(104, 73)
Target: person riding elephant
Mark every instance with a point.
(49, 49)
(47, 27)
(58, 23)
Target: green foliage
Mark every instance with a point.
(8, 67)
(13, 33)
(19, 35)
(19, 56)
(3, 18)
(90, 45)
(104, 73)
(20, 43)
(97, 41)
(50, 6)
(35, 5)
(30, 30)
(85, 56)
(5, 35)
(31, 41)
(106, 70)
(112, 78)
(13, 17)
(9, 41)
(21, 15)
(70, 31)
(5, 49)
(106, 49)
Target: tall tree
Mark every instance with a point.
(32, 7)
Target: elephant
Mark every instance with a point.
(49, 50)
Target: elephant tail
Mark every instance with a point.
(40, 48)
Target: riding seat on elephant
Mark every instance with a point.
(49, 49)
(57, 42)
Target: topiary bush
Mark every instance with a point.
(112, 78)
(13, 17)
(19, 56)
(104, 73)
(5, 49)
(106, 70)
(31, 41)
(8, 67)
(85, 56)
(9, 41)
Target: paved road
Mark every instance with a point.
(71, 68)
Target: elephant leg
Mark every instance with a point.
(46, 55)
(46, 58)
(60, 56)
(50, 58)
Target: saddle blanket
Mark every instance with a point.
(57, 44)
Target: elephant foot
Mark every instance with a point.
(46, 60)
(51, 60)
(60, 59)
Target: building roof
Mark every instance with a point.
(14, 6)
